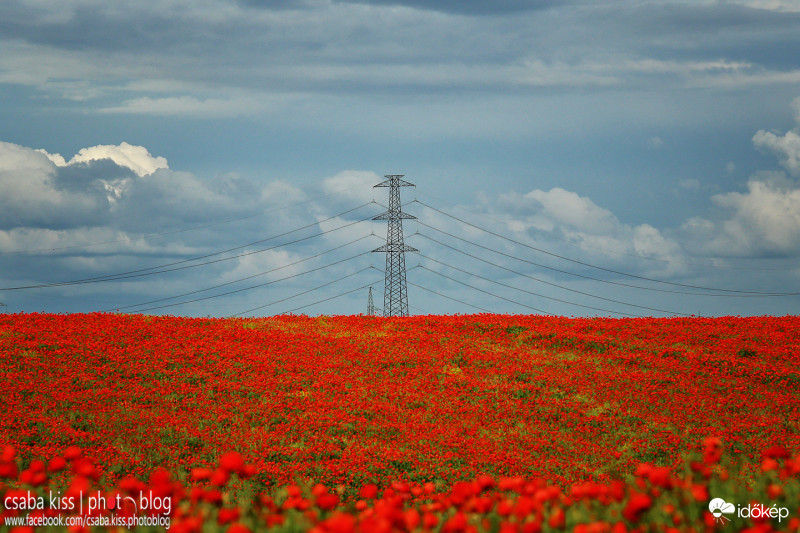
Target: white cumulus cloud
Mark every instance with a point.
(786, 146)
(357, 183)
(787, 6)
(583, 226)
(764, 220)
(118, 208)
(571, 212)
(30, 195)
(136, 158)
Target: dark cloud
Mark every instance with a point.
(88, 177)
(33, 195)
(688, 31)
(467, 7)
(167, 199)
(91, 28)
(277, 4)
(339, 49)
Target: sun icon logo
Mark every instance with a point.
(719, 508)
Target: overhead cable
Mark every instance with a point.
(485, 292)
(183, 230)
(583, 263)
(329, 298)
(551, 283)
(449, 297)
(614, 252)
(243, 289)
(304, 292)
(530, 292)
(250, 277)
(153, 270)
(609, 282)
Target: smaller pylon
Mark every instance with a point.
(370, 304)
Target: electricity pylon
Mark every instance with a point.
(395, 295)
(370, 304)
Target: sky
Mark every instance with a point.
(580, 158)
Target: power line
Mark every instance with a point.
(531, 292)
(449, 297)
(248, 277)
(485, 292)
(600, 280)
(172, 232)
(327, 299)
(551, 283)
(305, 292)
(243, 289)
(583, 263)
(606, 251)
(414, 307)
(152, 270)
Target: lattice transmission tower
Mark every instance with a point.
(395, 295)
(370, 304)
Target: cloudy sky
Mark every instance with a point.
(211, 157)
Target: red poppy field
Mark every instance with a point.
(417, 406)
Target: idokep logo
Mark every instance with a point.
(719, 508)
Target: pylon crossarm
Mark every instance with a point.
(400, 183)
(389, 215)
(393, 180)
(395, 248)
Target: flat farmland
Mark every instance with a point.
(354, 400)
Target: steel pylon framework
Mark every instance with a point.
(370, 304)
(395, 294)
